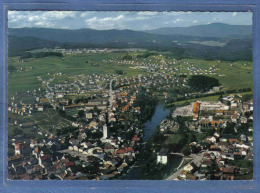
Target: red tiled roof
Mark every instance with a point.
(69, 164)
(47, 156)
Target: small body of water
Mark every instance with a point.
(159, 115)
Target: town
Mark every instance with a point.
(91, 126)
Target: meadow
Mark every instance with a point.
(234, 75)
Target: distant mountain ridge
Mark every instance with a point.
(161, 35)
(188, 42)
(98, 36)
(219, 30)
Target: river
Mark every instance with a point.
(159, 115)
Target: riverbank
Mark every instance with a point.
(160, 113)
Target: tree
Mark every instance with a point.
(186, 150)
(119, 72)
(11, 69)
(127, 57)
(229, 129)
(202, 83)
(228, 103)
(192, 138)
(220, 98)
(81, 113)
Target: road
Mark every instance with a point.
(196, 159)
(111, 94)
(48, 82)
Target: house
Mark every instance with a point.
(191, 177)
(60, 95)
(211, 139)
(127, 151)
(97, 102)
(204, 145)
(40, 108)
(183, 174)
(233, 141)
(89, 115)
(17, 148)
(136, 138)
(246, 106)
(219, 112)
(109, 148)
(250, 138)
(206, 163)
(217, 135)
(71, 107)
(196, 109)
(243, 120)
(190, 168)
(162, 156)
(223, 145)
(138, 109)
(233, 104)
(237, 155)
(243, 137)
(228, 173)
(102, 107)
(234, 118)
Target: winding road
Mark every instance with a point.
(196, 159)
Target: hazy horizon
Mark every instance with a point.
(114, 28)
(122, 20)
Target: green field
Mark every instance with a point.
(235, 74)
(74, 64)
(173, 139)
(46, 120)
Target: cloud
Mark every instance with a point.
(58, 14)
(44, 24)
(122, 19)
(34, 18)
(39, 18)
(119, 21)
(84, 14)
(106, 22)
(141, 18)
(147, 13)
(177, 20)
(93, 19)
(109, 19)
(177, 13)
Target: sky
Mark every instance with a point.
(122, 19)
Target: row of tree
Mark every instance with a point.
(26, 55)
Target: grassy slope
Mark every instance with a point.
(209, 98)
(236, 76)
(72, 65)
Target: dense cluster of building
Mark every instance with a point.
(103, 142)
(92, 149)
(217, 153)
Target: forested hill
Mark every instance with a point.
(219, 30)
(100, 36)
(230, 46)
